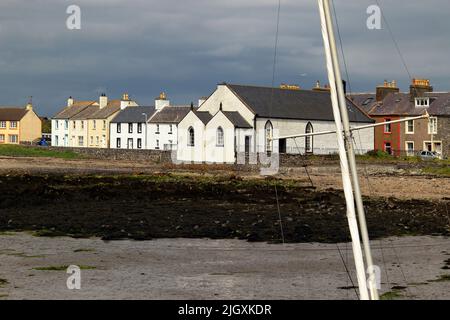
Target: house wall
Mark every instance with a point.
(323, 144)
(418, 137)
(124, 136)
(188, 153)
(168, 139)
(395, 137)
(213, 152)
(101, 132)
(61, 131)
(230, 102)
(30, 127)
(97, 133)
(443, 135)
(421, 135)
(9, 131)
(77, 131)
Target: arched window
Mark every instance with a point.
(309, 139)
(220, 140)
(191, 137)
(269, 132)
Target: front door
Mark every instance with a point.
(282, 145)
(130, 143)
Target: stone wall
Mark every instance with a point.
(155, 156)
(159, 156)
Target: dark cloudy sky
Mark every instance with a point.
(186, 47)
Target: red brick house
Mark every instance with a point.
(407, 138)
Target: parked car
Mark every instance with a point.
(428, 155)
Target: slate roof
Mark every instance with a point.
(69, 112)
(171, 114)
(204, 116)
(269, 102)
(83, 115)
(12, 113)
(112, 107)
(134, 115)
(237, 119)
(401, 104)
(365, 101)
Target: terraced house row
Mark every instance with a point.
(243, 119)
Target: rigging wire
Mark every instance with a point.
(347, 271)
(279, 215)
(275, 53)
(305, 165)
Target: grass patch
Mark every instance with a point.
(7, 233)
(442, 278)
(440, 171)
(84, 250)
(391, 295)
(48, 233)
(62, 268)
(25, 151)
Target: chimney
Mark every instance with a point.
(103, 101)
(161, 101)
(29, 107)
(385, 89)
(70, 102)
(418, 87)
(202, 100)
(125, 102)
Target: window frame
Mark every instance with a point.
(408, 152)
(407, 127)
(191, 137)
(386, 126)
(435, 126)
(309, 140)
(220, 137)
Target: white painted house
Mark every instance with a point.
(61, 129)
(243, 119)
(128, 130)
(163, 127)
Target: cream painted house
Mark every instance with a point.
(99, 122)
(19, 125)
(78, 127)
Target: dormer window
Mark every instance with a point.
(422, 102)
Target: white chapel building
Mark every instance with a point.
(238, 119)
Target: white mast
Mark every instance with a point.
(351, 155)
(336, 93)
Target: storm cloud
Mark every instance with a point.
(186, 47)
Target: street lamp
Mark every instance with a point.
(146, 119)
